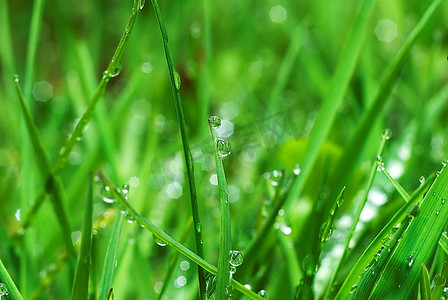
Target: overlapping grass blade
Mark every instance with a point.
(376, 244)
(330, 106)
(346, 164)
(80, 288)
(52, 184)
(396, 185)
(111, 71)
(425, 283)
(175, 85)
(400, 276)
(385, 138)
(167, 239)
(13, 292)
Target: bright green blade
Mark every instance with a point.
(9, 287)
(80, 289)
(425, 283)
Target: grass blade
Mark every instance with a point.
(396, 185)
(425, 283)
(357, 215)
(376, 244)
(80, 288)
(167, 239)
(223, 288)
(52, 184)
(417, 244)
(12, 290)
(339, 85)
(175, 85)
(109, 261)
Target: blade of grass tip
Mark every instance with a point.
(80, 289)
(396, 185)
(370, 252)
(167, 239)
(110, 259)
(112, 70)
(175, 85)
(417, 245)
(344, 166)
(9, 287)
(327, 227)
(221, 148)
(53, 184)
(338, 88)
(425, 283)
(385, 138)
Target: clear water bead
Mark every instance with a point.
(106, 194)
(387, 134)
(177, 81)
(117, 70)
(236, 258)
(141, 3)
(223, 147)
(159, 241)
(16, 78)
(215, 122)
(297, 170)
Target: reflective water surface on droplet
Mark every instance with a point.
(177, 81)
(158, 241)
(214, 121)
(223, 147)
(3, 290)
(236, 258)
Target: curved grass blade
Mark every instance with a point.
(111, 71)
(175, 85)
(376, 244)
(80, 289)
(167, 239)
(400, 277)
(385, 138)
(345, 164)
(425, 283)
(52, 184)
(396, 185)
(223, 288)
(5, 278)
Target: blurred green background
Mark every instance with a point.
(264, 67)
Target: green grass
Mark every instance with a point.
(333, 186)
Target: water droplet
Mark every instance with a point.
(141, 3)
(309, 265)
(262, 293)
(106, 194)
(223, 147)
(131, 218)
(125, 189)
(158, 241)
(198, 228)
(421, 179)
(353, 289)
(117, 70)
(433, 193)
(410, 259)
(443, 200)
(297, 170)
(236, 258)
(16, 78)
(379, 158)
(3, 290)
(437, 212)
(439, 279)
(177, 81)
(106, 73)
(444, 162)
(214, 121)
(387, 134)
(437, 173)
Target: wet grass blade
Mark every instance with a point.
(385, 138)
(167, 239)
(110, 259)
(6, 279)
(425, 283)
(396, 185)
(338, 88)
(175, 85)
(80, 288)
(443, 242)
(376, 244)
(327, 227)
(223, 288)
(400, 276)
